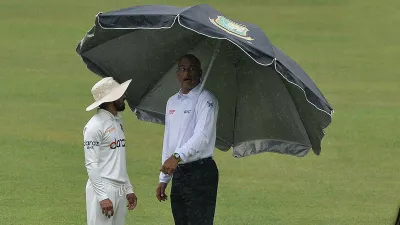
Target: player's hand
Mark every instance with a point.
(132, 201)
(160, 192)
(106, 207)
(169, 166)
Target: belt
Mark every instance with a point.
(195, 163)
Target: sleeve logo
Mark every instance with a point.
(90, 144)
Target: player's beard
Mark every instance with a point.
(120, 106)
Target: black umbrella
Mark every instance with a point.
(267, 102)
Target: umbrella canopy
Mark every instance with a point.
(267, 102)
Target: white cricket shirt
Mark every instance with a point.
(190, 127)
(104, 146)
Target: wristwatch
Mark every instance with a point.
(177, 156)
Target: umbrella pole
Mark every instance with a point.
(214, 56)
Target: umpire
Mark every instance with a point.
(188, 147)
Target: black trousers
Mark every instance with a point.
(194, 193)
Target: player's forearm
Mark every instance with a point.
(97, 183)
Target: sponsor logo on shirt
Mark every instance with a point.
(186, 111)
(110, 130)
(171, 111)
(90, 144)
(117, 143)
(210, 104)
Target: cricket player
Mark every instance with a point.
(108, 189)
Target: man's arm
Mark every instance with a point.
(128, 185)
(92, 139)
(165, 178)
(207, 113)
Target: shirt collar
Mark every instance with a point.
(192, 93)
(108, 114)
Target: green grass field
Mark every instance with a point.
(349, 48)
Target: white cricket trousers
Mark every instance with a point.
(117, 194)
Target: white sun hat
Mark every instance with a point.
(107, 90)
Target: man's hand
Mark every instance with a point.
(132, 201)
(107, 206)
(160, 192)
(169, 166)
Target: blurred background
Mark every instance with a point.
(349, 48)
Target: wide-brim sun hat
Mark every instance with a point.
(107, 90)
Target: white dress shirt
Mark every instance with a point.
(190, 127)
(104, 146)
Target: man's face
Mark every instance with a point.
(189, 74)
(120, 104)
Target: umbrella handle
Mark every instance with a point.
(214, 56)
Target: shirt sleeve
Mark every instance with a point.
(129, 186)
(206, 115)
(165, 178)
(92, 139)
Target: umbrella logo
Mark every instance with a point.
(231, 27)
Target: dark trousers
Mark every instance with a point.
(194, 193)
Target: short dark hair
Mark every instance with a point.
(191, 57)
